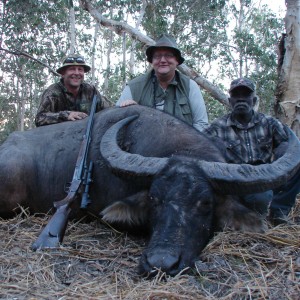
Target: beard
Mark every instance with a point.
(242, 108)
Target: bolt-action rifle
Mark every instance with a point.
(53, 233)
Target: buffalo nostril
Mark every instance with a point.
(163, 260)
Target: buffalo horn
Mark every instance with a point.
(124, 162)
(244, 178)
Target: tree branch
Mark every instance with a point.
(120, 27)
(21, 53)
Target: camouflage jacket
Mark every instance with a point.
(57, 102)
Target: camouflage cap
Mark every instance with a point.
(242, 82)
(74, 60)
(164, 41)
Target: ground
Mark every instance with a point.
(98, 262)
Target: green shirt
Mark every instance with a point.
(182, 98)
(146, 91)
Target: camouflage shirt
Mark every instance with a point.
(57, 103)
(253, 144)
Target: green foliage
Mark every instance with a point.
(251, 50)
(214, 108)
(8, 118)
(34, 28)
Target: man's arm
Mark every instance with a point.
(52, 110)
(46, 113)
(198, 108)
(280, 139)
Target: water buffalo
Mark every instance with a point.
(150, 170)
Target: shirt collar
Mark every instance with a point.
(61, 83)
(256, 118)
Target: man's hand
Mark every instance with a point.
(76, 115)
(127, 103)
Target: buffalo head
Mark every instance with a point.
(185, 196)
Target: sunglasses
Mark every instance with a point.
(71, 60)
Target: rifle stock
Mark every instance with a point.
(54, 232)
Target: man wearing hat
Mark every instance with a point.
(165, 88)
(253, 138)
(70, 99)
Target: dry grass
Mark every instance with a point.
(96, 262)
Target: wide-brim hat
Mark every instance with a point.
(74, 60)
(164, 41)
(242, 82)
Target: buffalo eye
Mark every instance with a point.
(204, 203)
(154, 200)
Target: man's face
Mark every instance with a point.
(242, 100)
(164, 61)
(73, 76)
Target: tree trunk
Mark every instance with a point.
(133, 45)
(287, 108)
(72, 27)
(22, 100)
(96, 30)
(123, 71)
(108, 63)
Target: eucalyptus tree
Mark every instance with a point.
(30, 32)
(287, 92)
(251, 47)
(34, 38)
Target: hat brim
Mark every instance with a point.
(85, 67)
(151, 49)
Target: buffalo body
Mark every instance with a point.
(151, 171)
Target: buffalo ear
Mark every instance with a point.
(132, 210)
(231, 214)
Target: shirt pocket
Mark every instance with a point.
(184, 106)
(234, 151)
(85, 107)
(265, 149)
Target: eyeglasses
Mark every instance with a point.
(71, 60)
(166, 56)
